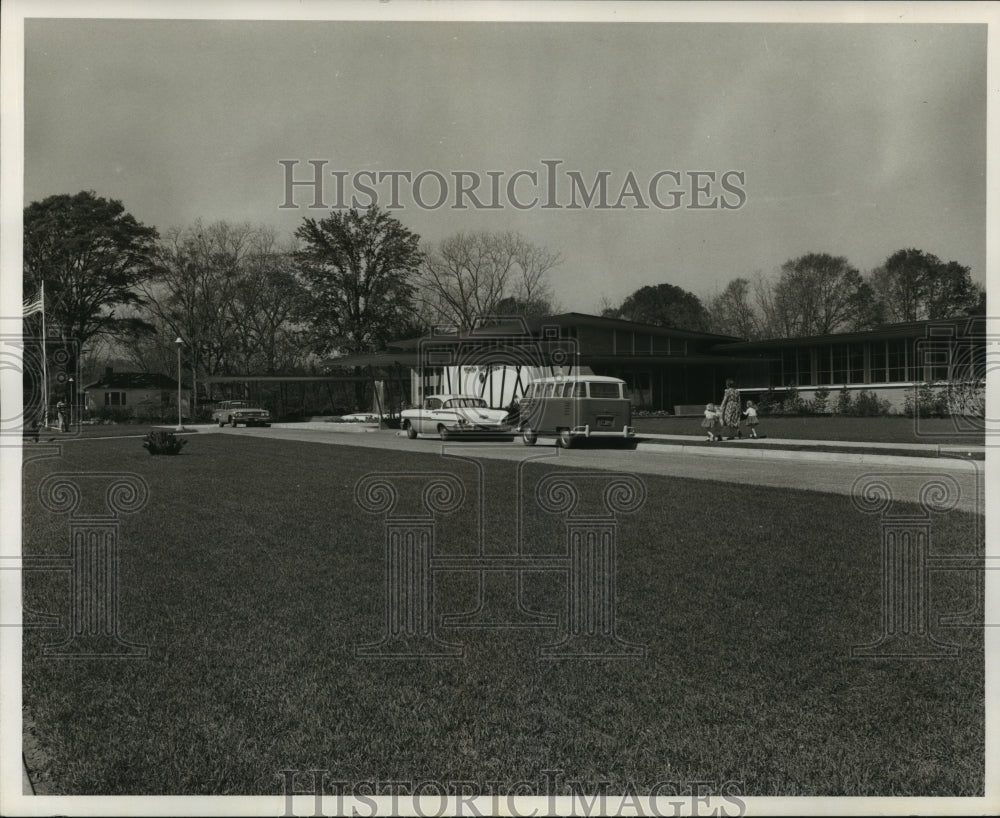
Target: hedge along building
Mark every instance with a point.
(891, 362)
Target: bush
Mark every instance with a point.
(867, 404)
(927, 402)
(843, 406)
(114, 414)
(791, 402)
(820, 404)
(767, 402)
(163, 443)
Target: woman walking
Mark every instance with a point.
(730, 409)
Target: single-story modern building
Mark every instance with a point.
(679, 370)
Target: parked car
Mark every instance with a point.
(590, 406)
(240, 411)
(451, 415)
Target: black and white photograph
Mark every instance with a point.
(439, 408)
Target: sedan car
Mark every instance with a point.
(451, 415)
(240, 411)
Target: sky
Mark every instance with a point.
(855, 140)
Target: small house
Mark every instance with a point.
(135, 395)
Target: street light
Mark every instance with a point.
(180, 421)
(69, 407)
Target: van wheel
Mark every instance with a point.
(565, 439)
(411, 433)
(221, 423)
(528, 437)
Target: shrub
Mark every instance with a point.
(867, 404)
(163, 443)
(114, 414)
(843, 402)
(791, 402)
(767, 402)
(927, 402)
(820, 404)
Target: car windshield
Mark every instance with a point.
(466, 403)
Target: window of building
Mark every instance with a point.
(841, 363)
(797, 367)
(114, 398)
(896, 360)
(855, 363)
(824, 365)
(661, 344)
(935, 357)
(643, 343)
(623, 342)
(878, 362)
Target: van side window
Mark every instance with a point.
(549, 387)
(579, 390)
(605, 390)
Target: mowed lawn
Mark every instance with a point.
(253, 574)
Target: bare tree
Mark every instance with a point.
(471, 275)
(732, 311)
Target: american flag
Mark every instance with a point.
(31, 307)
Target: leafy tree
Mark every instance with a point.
(357, 269)
(470, 276)
(92, 256)
(663, 305)
(818, 294)
(913, 285)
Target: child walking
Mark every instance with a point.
(751, 413)
(711, 422)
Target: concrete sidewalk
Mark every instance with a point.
(901, 454)
(936, 449)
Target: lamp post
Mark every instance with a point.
(180, 421)
(69, 406)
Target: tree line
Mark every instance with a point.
(246, 302)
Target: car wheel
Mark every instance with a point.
(528, 437)
(444, 433)
(233, 421)
(411, 433)
(221, 423)
(565, 439)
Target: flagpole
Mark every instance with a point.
(45, 371)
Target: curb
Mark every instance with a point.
(834, 457)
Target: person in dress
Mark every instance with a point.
(730, 410)
(752, 421)
(711, 422)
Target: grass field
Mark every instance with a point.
(253, 574)
(872, 430)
